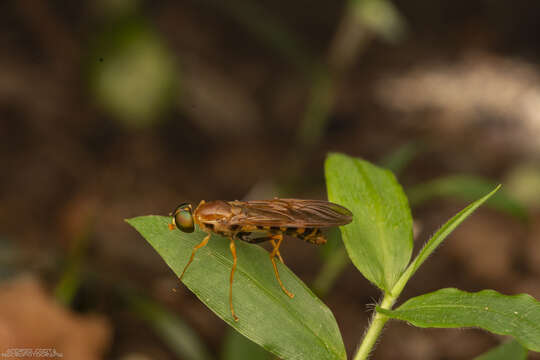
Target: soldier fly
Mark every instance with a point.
(259, 221)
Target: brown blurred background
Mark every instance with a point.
(114, 109)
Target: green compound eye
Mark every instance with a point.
(183, 218)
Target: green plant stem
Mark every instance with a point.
(379, 320)
(375, 328)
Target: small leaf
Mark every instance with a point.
(302, 327)
(509, 350)
(444, 231)
(517, 316)
(468, 188)
(379, 240)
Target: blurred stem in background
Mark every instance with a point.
(362, 21)
(268, 29)
(465, 187)
(319, 107)
(71, 277)
(177, 335)
(399, 158)
(332, 268)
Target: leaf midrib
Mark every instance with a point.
(380, 232)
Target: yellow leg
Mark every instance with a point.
(272, 255)
(233, 252)
(273, 242)
(197, 247)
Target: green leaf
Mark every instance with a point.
(509, 350)
(467, 188)
(237, 346)
(517, 316)
(302, 327)
(171, 329)
(444, 231)
(379, 239)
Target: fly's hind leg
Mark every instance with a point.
(197, 247)
(275, 252)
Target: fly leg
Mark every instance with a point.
(197, 247)
(275, 252)
(233, 252)
(273, 242)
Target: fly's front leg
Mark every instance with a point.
(233, 252)
(197, 247)
(274, 252)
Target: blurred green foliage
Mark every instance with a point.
(510, 350)
(178, 336)
(236, 346)
(132, 74)
(465, 187)
(523, 183)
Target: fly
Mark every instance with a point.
(259, 221)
